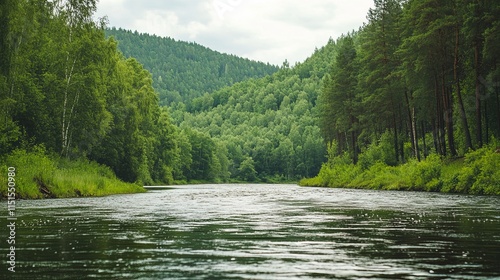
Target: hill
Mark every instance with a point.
(268, 126)
(183, 70)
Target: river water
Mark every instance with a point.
(258, 232)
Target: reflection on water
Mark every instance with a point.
(259, 232)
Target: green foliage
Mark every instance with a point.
(86, 178)
(424, 175)
(387, 96)
(479, 173)
(246, 171)
(183, 71)
(378, 176)
(66, 86)
(381, 151)
(272, 120)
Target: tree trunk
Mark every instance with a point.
(423, 140)
(441, 147)
(486, 124)
(449, 124)
(67, 112)
(448, 111)
(435, 136)
(354, 149)
(479, 124)
(396, 140)
(413, 129)
(463, 116)
(498, 111)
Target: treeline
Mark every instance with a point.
(183, 71)
(420, 77)
(66, 90)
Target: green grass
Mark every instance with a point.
(39, 175)
(477, 173)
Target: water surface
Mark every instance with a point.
(259, 232)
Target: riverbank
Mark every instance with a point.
(478, 172)
(34, 174)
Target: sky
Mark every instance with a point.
(262, 30)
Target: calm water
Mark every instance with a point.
(258, 232)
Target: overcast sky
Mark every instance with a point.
(264, 30)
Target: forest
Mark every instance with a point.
(78, 118)
(412, 99)
(181, 70)
(409, 101)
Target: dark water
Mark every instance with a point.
(258, 232)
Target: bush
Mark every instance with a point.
(378, 151)
(378, 176)
(480, 173)
(487, 174)
(426, 174)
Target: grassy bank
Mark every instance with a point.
(38, 175)
(476, 173)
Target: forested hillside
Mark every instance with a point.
(417, 80)
(267, 127)
(183, 71)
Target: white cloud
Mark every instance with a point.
(269, 31)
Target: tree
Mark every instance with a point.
(339, 99)
(383, 90)
(247, 171)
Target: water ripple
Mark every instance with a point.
(261, 232)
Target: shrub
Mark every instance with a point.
(378, 151)
(487, 179)
(427, 174)
(480, 173)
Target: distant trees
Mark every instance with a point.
(268, 126)
(183, 71)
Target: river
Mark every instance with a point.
(258, 232)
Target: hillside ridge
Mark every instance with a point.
(184, 70)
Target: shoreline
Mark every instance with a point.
(477, 173)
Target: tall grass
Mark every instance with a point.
(39, 175)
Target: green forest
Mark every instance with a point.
(409, 101)
(182, 71)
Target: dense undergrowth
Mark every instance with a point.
(478, 172)
(40, 175)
